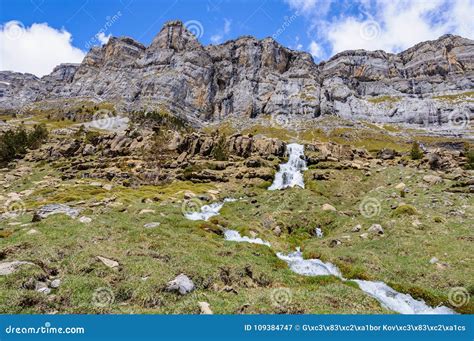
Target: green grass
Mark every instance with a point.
(149, 258)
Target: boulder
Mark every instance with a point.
(182, 284)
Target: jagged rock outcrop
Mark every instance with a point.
(246, 78)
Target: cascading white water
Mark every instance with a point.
(289, 174)
(208, 211)
(308, 267)
(396, 301)
(234, 236)
(388, 297)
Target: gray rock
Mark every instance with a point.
(51, 209)
(151, 225)
(42, 287)
(376, 229)
(246, 77)
(55, 283)
(7, 268)
(181, 284)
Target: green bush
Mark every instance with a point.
(220, 151)
(416, 153)
(14, 143)
(470, 159)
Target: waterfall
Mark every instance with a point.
(289, 174)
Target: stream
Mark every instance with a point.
(290, 175)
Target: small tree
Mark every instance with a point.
(416, 153)
(220, 152)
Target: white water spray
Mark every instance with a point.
(289, 174)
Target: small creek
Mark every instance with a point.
(290, 175)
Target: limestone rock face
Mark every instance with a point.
(246, 78)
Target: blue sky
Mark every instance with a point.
(321, 27)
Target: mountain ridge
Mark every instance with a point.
(247, 77)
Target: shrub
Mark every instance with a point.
(470, 159)
(220, 152)
(14, 143)
(416, 153)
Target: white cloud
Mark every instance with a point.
(310, 7)
(315, 50)
(389, 25)
(36, 49)
(218, 37)
(302, 5)
(103, 39)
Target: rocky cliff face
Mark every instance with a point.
(246, 78)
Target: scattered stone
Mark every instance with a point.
(356, 228)
(335, 242)
(205, 308)
(85, 220)
(32, 231)
(151, 225)
(277, 231)
(7, 268)
(146, 211)
(376, 228)
(42, 287)
(108, 262)
(416, 223)
(318, 232)
(442, 266)
(364, 235)
(328, 207)
(401, 186)
(181, 284)
(107, 187)
(432, 179)
(55, 283)
(434, 260)
(51, 209)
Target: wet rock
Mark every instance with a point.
(51, 209)
(181, 284)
